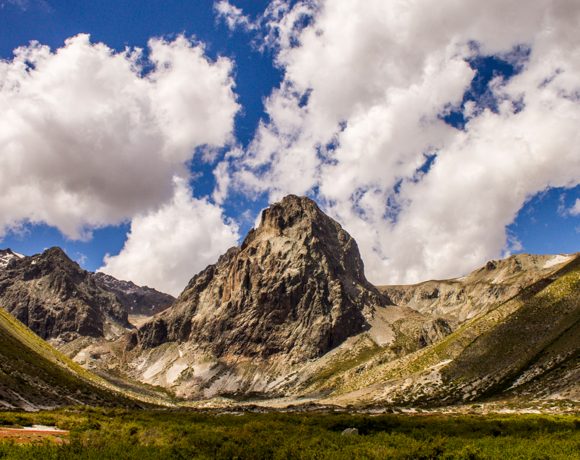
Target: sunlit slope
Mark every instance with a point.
(528, 345)
(542, 334)
(35, 375)
(474, 294)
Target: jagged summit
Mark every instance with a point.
(299, 219)
(50, 262)
(292, 211)
(295, 287)
(56, 298)
(137, 300)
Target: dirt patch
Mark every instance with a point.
(33, 436)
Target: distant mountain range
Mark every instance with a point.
(289, 314)
(57, 299)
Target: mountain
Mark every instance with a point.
(466, 297)
(294, 290)
(137, 300)
(57, 299)
(6, 255)
(524, 347)
(289, 314)
(33, 375)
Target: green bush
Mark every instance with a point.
(122, 434)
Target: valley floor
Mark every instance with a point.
(182, 434)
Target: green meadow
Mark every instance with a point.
(164, 434)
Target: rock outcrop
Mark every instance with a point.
(56, 298)
(295, 287)
(137, 300)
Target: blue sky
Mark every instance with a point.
(120, 24)
(544, 221)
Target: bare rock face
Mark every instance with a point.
(464, 298)
(56, 298)
(295, 288)
(137, 300)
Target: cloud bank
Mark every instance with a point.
(166, 247)
(92, 137)
(358, 123)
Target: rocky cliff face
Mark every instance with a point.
(55, 298)
(137, 300)
(295, 287)
(294, 290)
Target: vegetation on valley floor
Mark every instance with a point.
(125, 434)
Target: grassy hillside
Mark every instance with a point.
(33, 374)
(531, 337)
(544, 332)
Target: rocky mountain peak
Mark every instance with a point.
(300, 220)
(291, 211)
(54, 263)
(6, 256)
(56, 298)
(295, 287)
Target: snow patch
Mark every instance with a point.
(43, 428)
(556, 260)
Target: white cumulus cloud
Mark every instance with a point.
(232, 16)
(575, 210)
(166, 247)
(89, 138)
(359, 112)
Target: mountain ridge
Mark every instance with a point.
(289, 314)
(33, 375)
(57, 299)
(61, 301)
(467, 296)
(137, 300)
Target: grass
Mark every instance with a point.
(125, 434)
(361, 352)
(30, 366)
